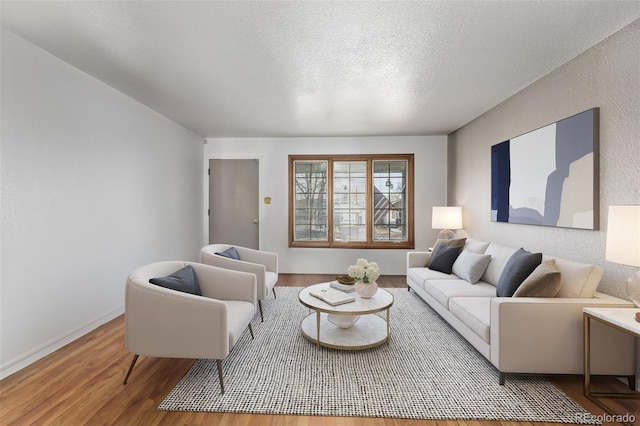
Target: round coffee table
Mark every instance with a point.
(350, 326)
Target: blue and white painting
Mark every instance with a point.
(548, 176)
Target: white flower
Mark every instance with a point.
(364, 271)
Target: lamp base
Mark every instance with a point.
(446, 234)
(633, 288)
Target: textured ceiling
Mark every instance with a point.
(246, 69)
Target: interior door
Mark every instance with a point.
(234, 202)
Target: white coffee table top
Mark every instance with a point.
(380, 301)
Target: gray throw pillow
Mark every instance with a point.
(544, 281)
(470, 266)
(444, 257)
(457, 242)
(184, 280)
(231, 253)
(519, 266)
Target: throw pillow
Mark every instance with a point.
(458, 242)
(184, 280)
(519, 266)
(231, 253)
(544, 281)
(476, 246)
(470, 266)
(444, 258)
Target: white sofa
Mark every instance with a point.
(526, 335)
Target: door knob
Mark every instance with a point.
(255, 221)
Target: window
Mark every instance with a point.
(351, 201)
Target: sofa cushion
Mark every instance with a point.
(499, 257)
(457, 242)
(442, 260)
(578, 279)
(475, 313)
(476, 246)
(470, 266)
(520, 265)
(184, 280)
(443, 290)
(420, 275)
(231, 253)
(544, 281)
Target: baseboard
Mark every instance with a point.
(53, 345)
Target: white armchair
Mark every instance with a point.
(166, 323)
(263, 264)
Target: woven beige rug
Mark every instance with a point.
(427, 371)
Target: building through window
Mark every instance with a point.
(351, 201)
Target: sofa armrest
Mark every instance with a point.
(417, 258)
(545, 335)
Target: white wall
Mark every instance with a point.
(430, 164)
(94, 184)
(606, 76)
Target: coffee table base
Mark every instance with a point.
(370, 331)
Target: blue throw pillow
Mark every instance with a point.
(443, 258)
(231, 253)
(184, 280)
(519, 266)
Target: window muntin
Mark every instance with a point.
(351, 201)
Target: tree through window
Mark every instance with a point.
(351, 201)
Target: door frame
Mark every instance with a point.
(205, 192)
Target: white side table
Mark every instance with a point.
(622, 319)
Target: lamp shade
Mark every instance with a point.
(623, 235)
(446, 218)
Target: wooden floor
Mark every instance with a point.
(82, 384)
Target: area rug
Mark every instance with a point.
(426, 371)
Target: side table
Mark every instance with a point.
(622, 319)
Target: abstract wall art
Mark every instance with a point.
(548, 176)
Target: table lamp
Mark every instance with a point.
(623, 243)
(446, 218)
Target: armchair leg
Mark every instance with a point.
(133, 362)
(219, 362)
(260, 306)
(251, 331)
(274, 292)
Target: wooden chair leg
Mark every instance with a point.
(133, 362)
(502, 378)
(251, 331)
(260, 306)
(219, 362)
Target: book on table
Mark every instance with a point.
(332, 296)
(342, 287)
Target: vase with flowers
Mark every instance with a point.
(366, 273)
